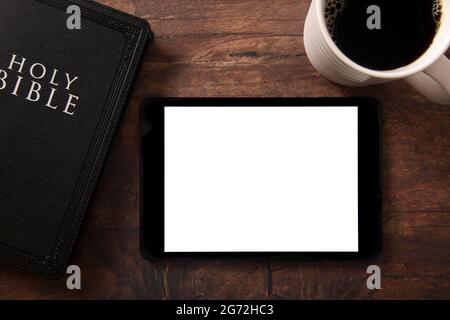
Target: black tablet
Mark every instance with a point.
(269, 178)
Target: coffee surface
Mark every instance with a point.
(407, 29)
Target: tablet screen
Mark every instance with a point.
(260, 179)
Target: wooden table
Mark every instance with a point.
(255, 48)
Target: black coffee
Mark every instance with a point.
(407, 29)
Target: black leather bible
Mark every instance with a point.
(62, 91)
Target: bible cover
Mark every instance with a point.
(61, 95)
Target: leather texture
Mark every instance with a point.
(53, 141)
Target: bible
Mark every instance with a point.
(62, 91)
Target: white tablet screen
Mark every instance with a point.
(261, 179)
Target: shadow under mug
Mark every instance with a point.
(430, 74)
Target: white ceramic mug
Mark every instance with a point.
(430, 74)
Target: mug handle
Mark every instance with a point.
(434, 82)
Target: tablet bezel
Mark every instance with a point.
(152, 175)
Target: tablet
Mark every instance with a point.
(295, 178)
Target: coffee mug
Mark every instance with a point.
(429, 74)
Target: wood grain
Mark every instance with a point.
(255, 48)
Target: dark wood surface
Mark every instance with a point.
(255, 48)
